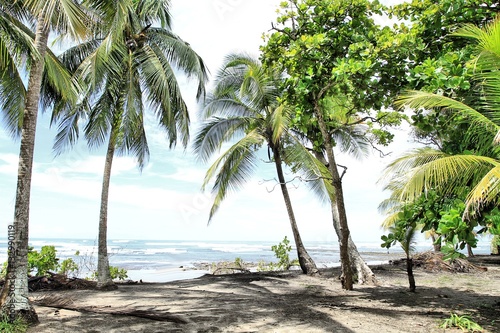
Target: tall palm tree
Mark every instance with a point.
(129, 67)
(245, 103)
(427, 168)
(60, 16)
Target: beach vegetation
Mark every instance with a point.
(115, 273)
(464, 322)
(262, 266)
(244, 109)
(68, 266)
(470, 176)
(44, 261)
(127, 67)
(118, 273)
(18, 325)
(404, 232)
(282, 253)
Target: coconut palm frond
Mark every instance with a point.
(435, 170)
(352, 140)
(420, 99)
(233, 168)
(313, 171)
(486, 191)
(390, 220)
(215, 132)
(181, 56)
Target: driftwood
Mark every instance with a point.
(67, 304)
(224, 270)
(58, 282)
(433, 261)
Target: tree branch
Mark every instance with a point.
(343, 172)
(305, 180)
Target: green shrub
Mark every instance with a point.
(282, 253)
(114, 272)
(42, 261)
(118, 273)
(464, 322)
(17, 326)
(68, 266)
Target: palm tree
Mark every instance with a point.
(245, 103)
(61, 16)
(426, 168)
(405, 235)
(127, 64)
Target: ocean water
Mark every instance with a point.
(166, 260)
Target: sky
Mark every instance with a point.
(164, 201)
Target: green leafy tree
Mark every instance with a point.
(127, 65)
(334, 49)
(428, 168)
(245, 103)
(59, 16)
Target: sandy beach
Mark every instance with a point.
(279, 302)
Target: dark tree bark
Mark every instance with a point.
(359, 267)
(409, 270)
(306, 262)
(347, 275)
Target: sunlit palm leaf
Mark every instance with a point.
(68, 15)
(486, 191)
(180, 55)
(420, 99)
(425, 169)
(314, 171)
(216, 132)
(233, 168)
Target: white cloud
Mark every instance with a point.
(9, 164)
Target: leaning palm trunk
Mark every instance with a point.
(104, 280)
(359, 267)
(306, 262)
(14, 296)
(347, 276)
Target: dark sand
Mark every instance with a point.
(281, 302)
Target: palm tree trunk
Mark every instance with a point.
(14, 296)
(347, 276)
(409, 270)
(436, 245)
(306, 262)
(359, 267)
(104, 280)
(470, 254)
